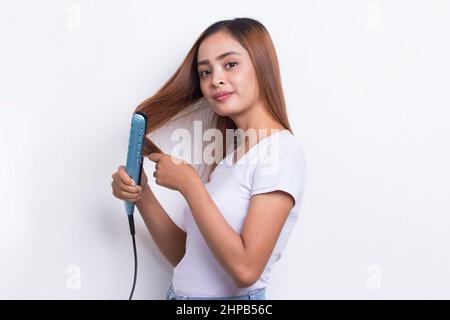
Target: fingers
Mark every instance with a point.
(124, 194)
(124, 177)
(123, 187)
(155, 156)
(129, 189)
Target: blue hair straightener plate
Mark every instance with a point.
(134, 156)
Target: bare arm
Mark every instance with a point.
(243, 256)
(170, 239)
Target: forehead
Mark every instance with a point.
(217, 44)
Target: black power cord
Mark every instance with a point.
(133, 232)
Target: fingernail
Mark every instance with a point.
(132, 183)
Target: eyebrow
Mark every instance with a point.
(219, 57)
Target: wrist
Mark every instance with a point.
(146, 191)
(190, 184)
(146, 188)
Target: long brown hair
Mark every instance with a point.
(183, 88)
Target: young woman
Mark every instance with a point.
(237, 224)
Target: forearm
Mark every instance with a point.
(169, 238)
(231, 253)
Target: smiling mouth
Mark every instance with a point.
(224, 97)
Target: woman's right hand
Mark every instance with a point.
(123, 188)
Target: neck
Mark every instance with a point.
(256, 118)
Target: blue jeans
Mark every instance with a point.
(259, 294)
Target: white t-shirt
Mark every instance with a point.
(276, 162)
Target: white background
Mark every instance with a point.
(367, 88)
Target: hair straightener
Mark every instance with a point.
(134, 169)
(136, 145)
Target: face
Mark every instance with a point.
(219, 71)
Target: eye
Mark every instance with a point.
(235, 63)
(201, 73)
(229, 63)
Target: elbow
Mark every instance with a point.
(245, 279)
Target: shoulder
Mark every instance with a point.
(284, 148)
(280, 156)
(280, 166)
(291, 145)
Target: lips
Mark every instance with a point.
(222, 93)
(221, 97)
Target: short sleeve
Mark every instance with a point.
(284, 171)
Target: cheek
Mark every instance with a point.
(203, 88)
(246, 87)
(245, 82)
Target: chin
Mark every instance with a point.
(225, 111)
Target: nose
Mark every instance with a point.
(218, 83)
(218, 78)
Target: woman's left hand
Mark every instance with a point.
(171, 172)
